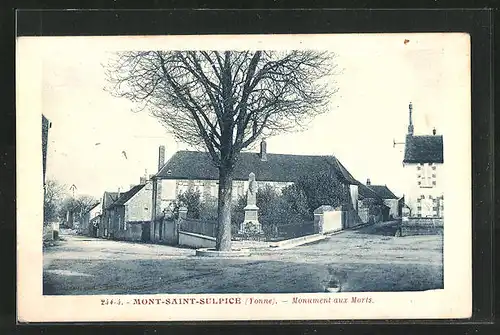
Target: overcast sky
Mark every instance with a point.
(381, 75)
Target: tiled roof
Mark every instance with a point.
(94, 206)
(364, 192)
(383, 191)
(197, 165)
(424, 149)
(109, 198)
(126, 196)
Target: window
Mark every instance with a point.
(425, 178)
(125, 226)
(182, 187)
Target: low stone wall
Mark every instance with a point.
(133, 232)
(332, 222)
(196, 240)
(51, 232)
(202, 227)
(422, 226)
(48, 234)
(170, 234)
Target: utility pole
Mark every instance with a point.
(71, 217)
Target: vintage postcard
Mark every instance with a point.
(259, 177)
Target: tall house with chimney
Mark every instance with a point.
(194, 170)
(423, 165)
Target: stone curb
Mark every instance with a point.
(294, 242)
(209, 252)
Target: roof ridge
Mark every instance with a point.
(125, 195)
(279, 167)
(256, 153)
(440, 135)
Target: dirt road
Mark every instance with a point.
(368, 259)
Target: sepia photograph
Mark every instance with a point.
(282, 173)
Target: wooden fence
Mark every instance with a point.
(294, 230)
(203, 227)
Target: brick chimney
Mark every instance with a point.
(263, 150)
(434, 131)
(368, 181)
(142, 180)
(161, 157)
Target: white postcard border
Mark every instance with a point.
(454, 301)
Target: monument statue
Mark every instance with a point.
(251, 221)
(252, 190)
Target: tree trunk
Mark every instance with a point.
(224, 209)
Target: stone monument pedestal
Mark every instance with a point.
(251, 222)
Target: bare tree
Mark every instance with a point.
(223, 102)
(76, 207)
(53, 197)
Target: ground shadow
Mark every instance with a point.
(389, 228)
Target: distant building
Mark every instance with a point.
(89, 220)
(108, 199)
(124, 217)
(371, 206)
(389, 198)
(423, 165)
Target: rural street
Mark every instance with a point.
(366, 259)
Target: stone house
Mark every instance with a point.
(371, 207)
(88, 220)
(195, 170)
(423, 166)
(130, 212)
(108, 199)
(389, 198)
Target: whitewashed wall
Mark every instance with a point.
(413, 190)
(170, 188)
